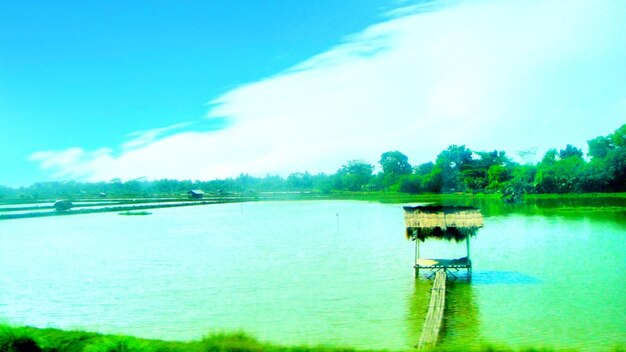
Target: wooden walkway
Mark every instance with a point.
(434, 318)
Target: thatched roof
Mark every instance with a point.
(196, 194)
(438, 221)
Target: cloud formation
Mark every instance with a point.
(489, 74)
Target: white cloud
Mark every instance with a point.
(74, 163)
(489, 74)
(143, 138)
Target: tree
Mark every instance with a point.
(522, 180)
(497, 175)
(614, 165)
(299, 180)
(354, 175)
(410, 184)
(561, 176)
(489, 159)
(246, 183)
(433, 181)
(451, 162)
(424, 169)
(570, 151)
(607, 170)
(550, 157)
(528, 155)
(599, 147)
(619, 137)
(478, 174)
(395, 163)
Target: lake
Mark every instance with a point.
(547, 273)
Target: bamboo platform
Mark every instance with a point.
(451, 266)
(434, 318)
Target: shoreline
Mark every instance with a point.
(125, 205)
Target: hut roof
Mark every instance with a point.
(432, 216)
(448, 222)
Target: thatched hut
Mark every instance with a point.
(442, 222)
(195, 194)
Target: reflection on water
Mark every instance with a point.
(502, 278)
(597, 208)
(417, 304)
(461, 319)
(461, 325)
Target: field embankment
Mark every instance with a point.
(13, 209)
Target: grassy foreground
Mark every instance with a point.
(29, 339)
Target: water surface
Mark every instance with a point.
(319, 272)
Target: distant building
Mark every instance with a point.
(196, 194)
(63, 205)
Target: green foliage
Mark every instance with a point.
(424, 169)
(395, 163)
(433, 181)
(498, 175)
(451, 163)
(570, 152)
(562, 176)
(523, 180)
(615, 170)
(17, 340)
(456, 169)
(117, 344)
(599, 147)
(354, 176)
(27, 339)
(410, 184)
(489, 159)
(550, 157)
(237, 342)
(618, 138)
(300, 181)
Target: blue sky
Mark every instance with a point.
(208, 89)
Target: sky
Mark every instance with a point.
(93, 91)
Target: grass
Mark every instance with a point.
(129, 213)
(29, 339)
(621, 195)
(17, 340)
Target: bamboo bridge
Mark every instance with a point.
(449, 223)
(434, 317)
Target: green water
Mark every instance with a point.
(546, 273)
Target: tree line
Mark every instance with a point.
(455, 169)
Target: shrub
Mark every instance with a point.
(16, 340)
